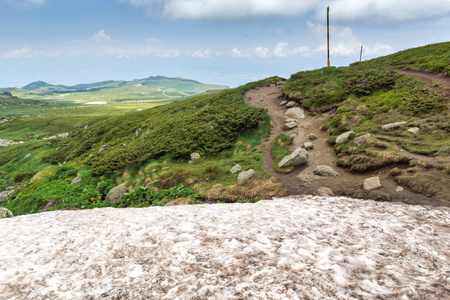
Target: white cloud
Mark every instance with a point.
(24, 3)
(238, 53)
(200, 53)
(262, 52)
(279, 50)
(26, 52)
(341, 10)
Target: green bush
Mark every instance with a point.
(174, 177)
(144, 196)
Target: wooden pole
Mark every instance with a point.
(360, 54)
(328, 35)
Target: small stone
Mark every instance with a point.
(289, 126)
(308, 145)
(393, 125)
(49, 205)
(283, 102)
(296, 158)
(76, 180)
(5, 213)
(195, 156)
(324, 191)
(326, 171)
(361, 139)
(399, 189)
(28, 155)
(190, 162)
(291, 104)
(290, 121)
(294, 135)
(295, 112)
(235, 169)
(312, 136)
(138, 131)
(414, 130)
(4, 196)
(245, 176)
(343, 138)
(372, 183)
(103, 148)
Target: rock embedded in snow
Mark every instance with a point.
(296, 158)
(116, 194)
(361, 139)
(295, 112)
(5, 213)
(343, 138)
(245, 176)
(326, 171)
(308, 145)
(372, 183)
(291, 104)
(393, 125)
(414, 130)
(235, 169)
(289, 126)
(289, 248)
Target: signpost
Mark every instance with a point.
(328, 35)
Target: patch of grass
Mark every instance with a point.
(280, 149)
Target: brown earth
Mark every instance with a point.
(302, 180)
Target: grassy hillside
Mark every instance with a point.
(432, 58)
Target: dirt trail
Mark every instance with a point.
(303, 180)
(438, 82)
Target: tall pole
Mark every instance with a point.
(328, 35)
(360, 55)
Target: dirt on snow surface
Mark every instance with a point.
(300, 247)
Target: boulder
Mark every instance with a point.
(289, 126)
(414, 130)
(116, 194)
(324, 191)
(308, 145)
(5, 213)
(245, 176)
(372, 183)
(312, 136)
(393, 125)
(195, 156)
(361, 139)
(295, 112)
(291, 104)
(4, 196)
(76, 180)
(343, 138)
(283, 102)
(296, 158)
(235, 169)
(324, 170)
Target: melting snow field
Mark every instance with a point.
(290, 248)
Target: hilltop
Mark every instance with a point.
(150, 150)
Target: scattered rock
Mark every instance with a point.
(291, 104)
(294, 135)
(116, 194)
(49, 205)
(86, 127)
(393, 125)
(399, 189)
(290, 121)
(296, 158)
(5, 213)
(312, 136)
(245, 176)
(361, 139)
(4, 196)
(324, 170)
(76, 180)
(414, 130)
(308, 145)
(103, 148)
(190, 162)
(343, 138)
(372, 183)
(324, 191)
(235, 169)
(195, 156)
(138, 132)
(289, 126)
(283, 102)
(4, 143)
(295, 112)
(28, 155)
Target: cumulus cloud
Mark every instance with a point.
(262, 52)
(342, 10)
(27, 52)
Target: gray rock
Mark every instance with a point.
(289, 126)
(312, 136)
(283, 102)
(103, 148)
(4, 196)
(393, 125)
(291, 104)
(76, 180)
(343, 138)
(324, 191)
(290, 121)
(86, 127)
(28, 155)
(138, 132)
(235, 169)
(190, 162)
(116, 194)
(399, 189)
(324, 170)
(195, 156)
(294, 135)
(414, 130)
(4, 143)
(49, 205)
(296, 158)
(361, 139)
(308, 145)
(295, 112)
(372, 183)
(245, 176)
(5, 213)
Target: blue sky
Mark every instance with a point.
(214, 41)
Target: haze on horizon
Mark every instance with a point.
(226, 42)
